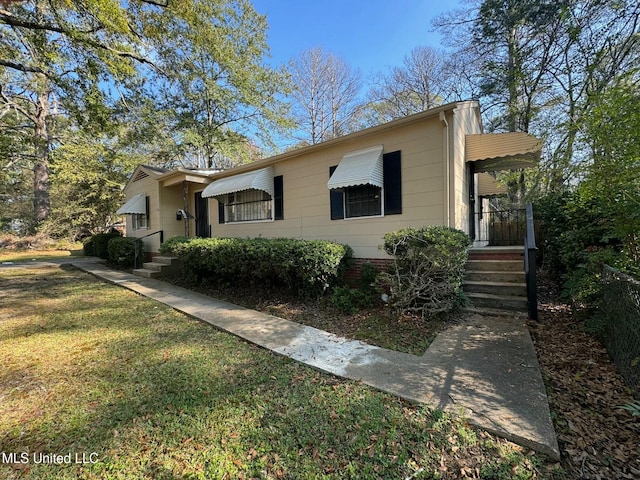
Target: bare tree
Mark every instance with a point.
(419, 84)
(325, 94)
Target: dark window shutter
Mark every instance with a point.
(146, 206)
(336, 198)
(278, 198)
(392, 172)
(220, 212)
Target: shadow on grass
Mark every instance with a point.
(204, 402)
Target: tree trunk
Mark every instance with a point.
(41, 202)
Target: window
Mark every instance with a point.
(247, 206)
(140, 221)
(366, 200)
(363, 201)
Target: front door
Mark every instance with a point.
(202, 215)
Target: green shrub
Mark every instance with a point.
(89, 247)
(351, 300)
(122, 251)
(305, 267)
(167, 247)
(580, 238)
(97, 244)
(428, 269)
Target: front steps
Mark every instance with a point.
(495, 281)
(158, 267)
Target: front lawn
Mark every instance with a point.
(92, 372)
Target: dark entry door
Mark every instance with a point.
(202, 215)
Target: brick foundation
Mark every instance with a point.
(352, 275)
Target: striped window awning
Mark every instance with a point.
(136, 205)
(362, 167)
(492, 152)
(257, 180)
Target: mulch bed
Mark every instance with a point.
(598, 439)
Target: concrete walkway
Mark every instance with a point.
(485, 368)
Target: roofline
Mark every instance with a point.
(184, 171)
(400, 122)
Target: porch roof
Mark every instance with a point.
(362, 167)
(491, 152)
(256, 180)
(489, 186)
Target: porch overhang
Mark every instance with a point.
(491, 152)
(136, 205)
(489, 186)
(362, 167)
(255, 180)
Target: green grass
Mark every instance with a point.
(90, 368)
(10, 255)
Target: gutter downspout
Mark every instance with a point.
(447, 168)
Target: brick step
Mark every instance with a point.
(497, 253)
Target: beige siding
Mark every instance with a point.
(306, 196)
(150, 187)
(466, 121)
(434, 185)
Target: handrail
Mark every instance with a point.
(136, 254)
(530, 251)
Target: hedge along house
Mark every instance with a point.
(431, 168)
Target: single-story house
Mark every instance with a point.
(431, 168)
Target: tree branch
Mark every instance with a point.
(21, 67)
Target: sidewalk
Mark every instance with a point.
(485, 369)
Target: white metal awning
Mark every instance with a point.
(257, 180)
(135, 205)
(492, 152)
(363, 167)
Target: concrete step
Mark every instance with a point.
(496, 265)
(515, 289)
(162, 265)
(493, 312)
(493, 276)
(146, 273)
(498, 302)
(164, 259)
(155, 266)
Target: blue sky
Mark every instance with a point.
(370, 35)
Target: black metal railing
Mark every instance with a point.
(138, 250)
(530, 252)
(501, 227)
